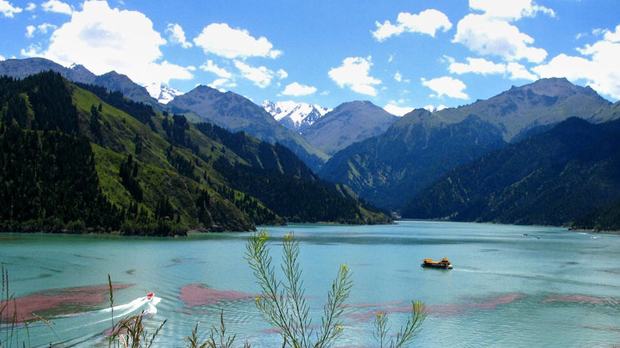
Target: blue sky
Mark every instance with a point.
(399, 54)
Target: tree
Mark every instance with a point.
(95, 125)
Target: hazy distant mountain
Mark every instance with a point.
(389, 169)
(162, 93)
(237, 113)
(113, 81)
(347, 124)
(568, 174)
(294, 115)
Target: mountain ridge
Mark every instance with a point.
(348, 123)
(237, 113)
(296, 116)
(431, 144)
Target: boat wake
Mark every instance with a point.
(142, 305)
(148, 306)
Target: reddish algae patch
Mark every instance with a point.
(55, 302)
(199, 295)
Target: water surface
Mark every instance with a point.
(512, 286)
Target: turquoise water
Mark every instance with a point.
(512, 286)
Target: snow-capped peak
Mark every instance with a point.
(294, 115)
(163, 93)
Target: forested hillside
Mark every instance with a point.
(569, 175)
(79, 158)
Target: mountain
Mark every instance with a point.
(520, 109)
(293, 115)
(347, 124)
(79, 158)
(567, 175)
(386, 169)
(237, 113)
(116, 82)
(282, 181)
(418, 149)
(162, 93)
(21, 68)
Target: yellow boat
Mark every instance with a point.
(443, 264)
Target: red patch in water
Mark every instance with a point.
(199, 295)
(55, 301)
(575, 299)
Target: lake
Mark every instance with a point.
(511, 286)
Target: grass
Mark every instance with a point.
(282, 304)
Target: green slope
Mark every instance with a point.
(156, 171)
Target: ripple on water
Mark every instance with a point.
(194, 295)
(581, 299)
(450, 309)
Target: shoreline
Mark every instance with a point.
(195, 233)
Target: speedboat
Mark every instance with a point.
(443, 264)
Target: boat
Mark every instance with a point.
(443, 264)
(150, 295)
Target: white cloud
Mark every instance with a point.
(282, 74)
(446, 86)
(426, 22)
(104, 39)
(476, 66)
(354, 73)
(176, 34)
(296, 89)
(398, 77)
(31, 6)
(211, 67)
(433, 108)
(598, 65)
(30, 31)
(222, 83)
(612, 36)
(9, 10)
(2, 58)
(518, 71)
(481, 66)
(510, 10)
(57, 6)
(222, 40)
(261, 76)
(488, 35)
(46, 27)
(43, 28)
(393, 108)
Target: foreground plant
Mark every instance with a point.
(406, 333)
(218, 338)
(130, 332)
(283, 303)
